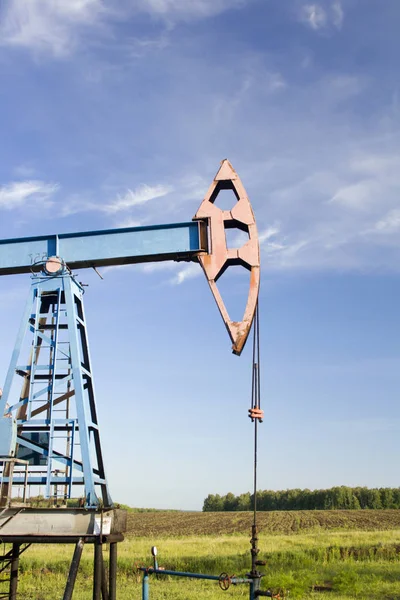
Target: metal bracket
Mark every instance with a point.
(221, 257)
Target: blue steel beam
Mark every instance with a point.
(111, 247)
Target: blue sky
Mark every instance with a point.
(118, 113)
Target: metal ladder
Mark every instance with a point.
(9, 562)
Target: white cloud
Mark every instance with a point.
(189, 271)
(390, 222)
(141, 195)
(319, 18)
(320, 211)
(57, 27)
(358, 195)
(382, 166)
(376, 187)
(337, 14)
(286, 254)
(181, 273)
(322, 150)
(192, 187)
(314, 16)
(51, 26)
(184, 9)
(78, 203)
(269, 246)
(268, 233)
(344, 216)
(186, 189)
(153, 267)
(18, 193)
(141, 47)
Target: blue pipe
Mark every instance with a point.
(150, 571)
(145, 587)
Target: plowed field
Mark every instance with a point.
(283, 522)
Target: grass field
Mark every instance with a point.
(353, 554)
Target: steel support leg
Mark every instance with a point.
(252, 590)
(6, 488)
(97, 570)
(14, 572)
(73, 570)
(104, 582)
(113, 571)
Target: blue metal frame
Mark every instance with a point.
(63, 381)
(178, 241)
(57, 378)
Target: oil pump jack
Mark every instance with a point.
(49, 430)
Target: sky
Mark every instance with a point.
(117, 114)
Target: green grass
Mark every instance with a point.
(356, 564)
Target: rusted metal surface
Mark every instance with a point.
(221, 257)
(256, 413)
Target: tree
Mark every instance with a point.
(213, 503)
(230, 502)
(244, 502)
(387, 497)
(374, 499)
(339, 497)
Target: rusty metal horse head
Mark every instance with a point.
(221, 257)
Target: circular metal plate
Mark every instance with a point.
(53, 265)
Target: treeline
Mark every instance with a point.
(334, 498)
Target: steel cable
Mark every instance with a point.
(255, 404)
